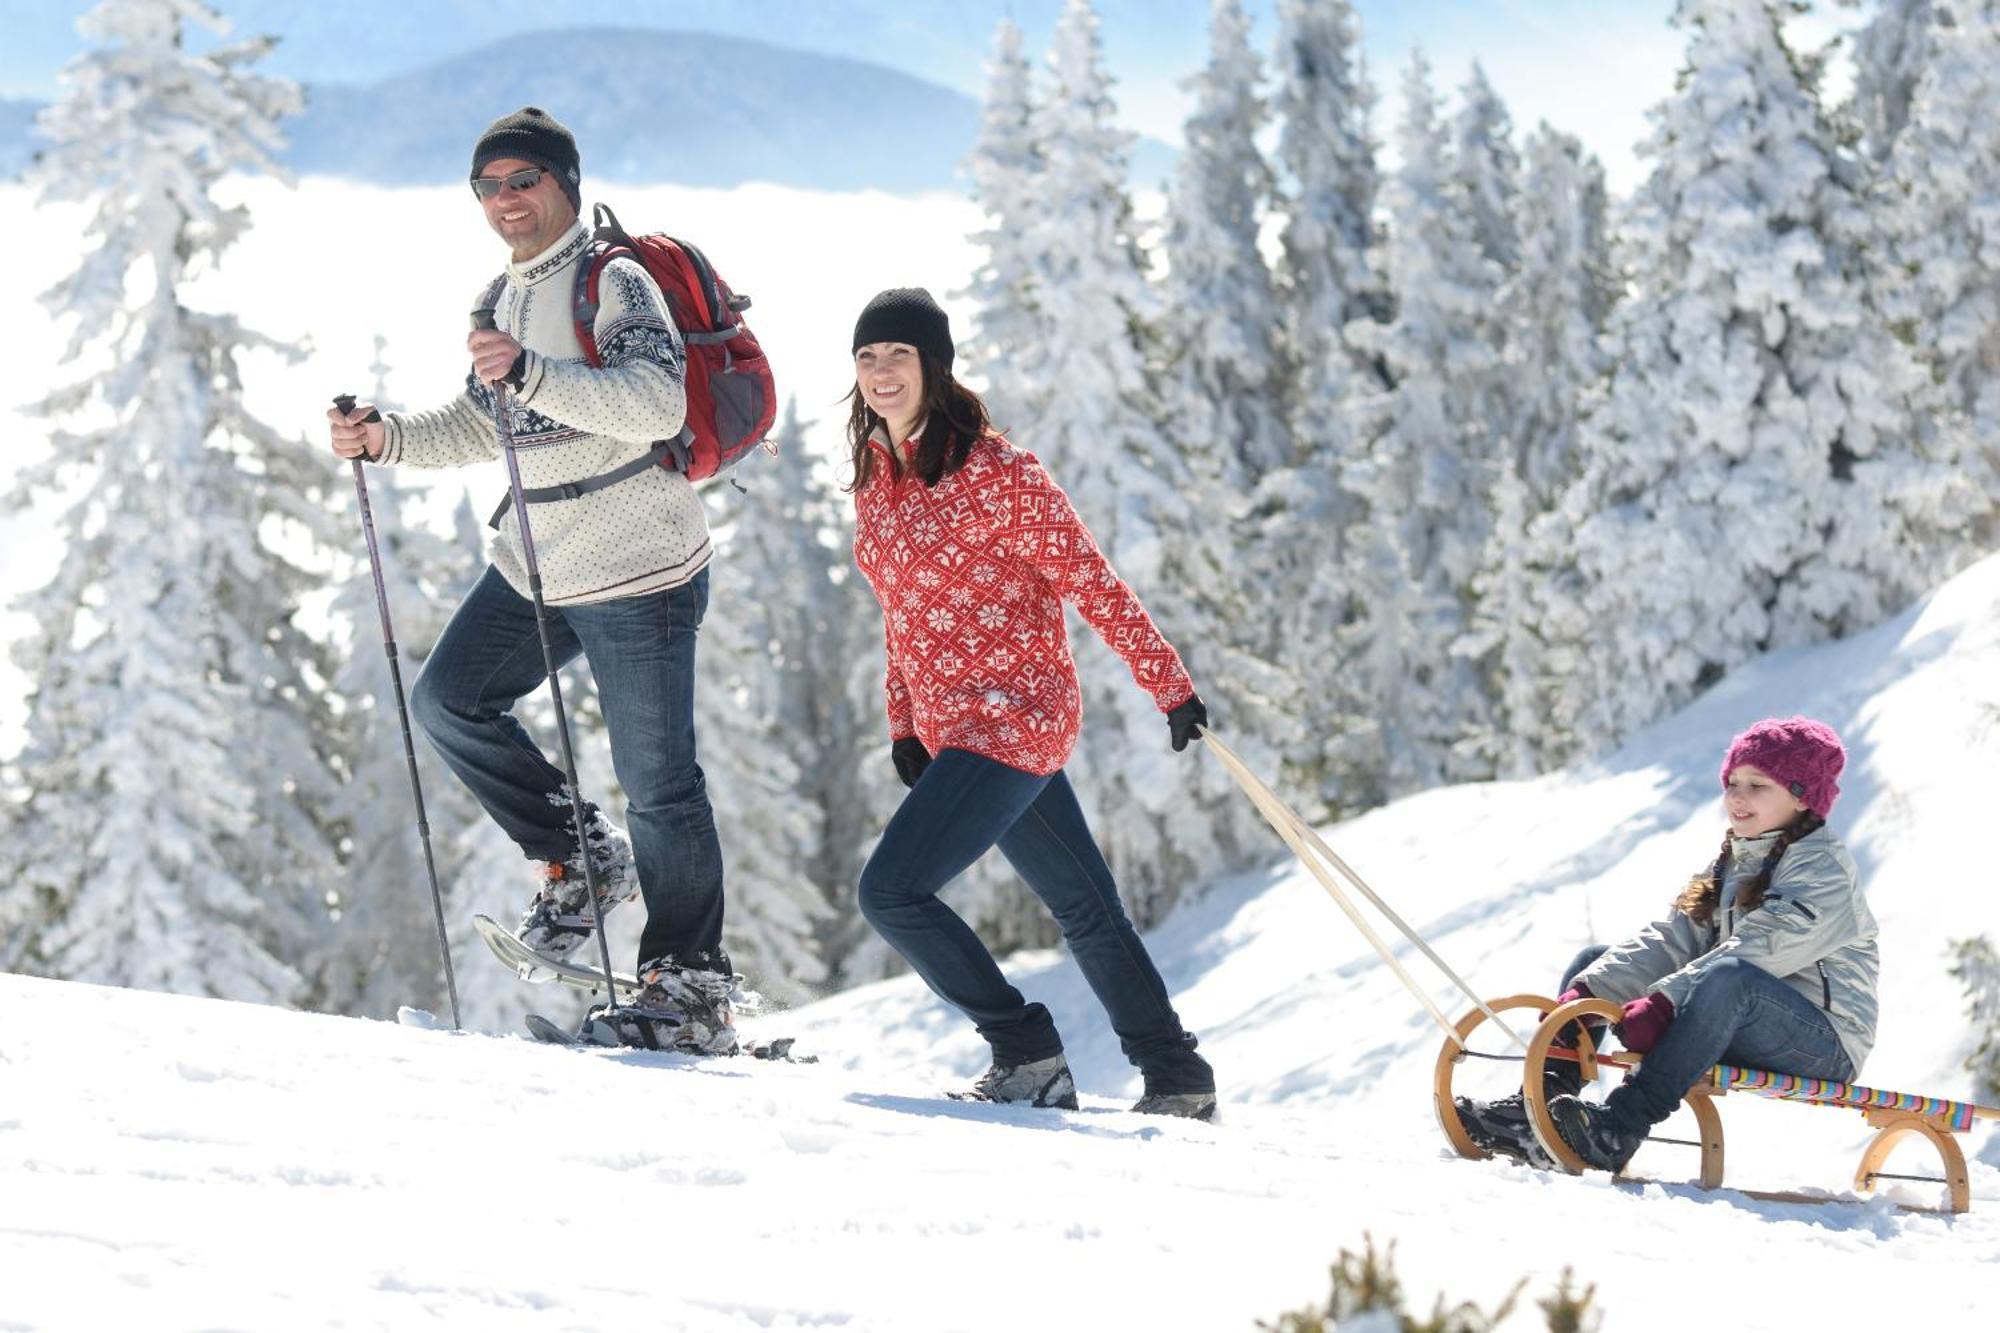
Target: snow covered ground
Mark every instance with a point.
(176, 1163)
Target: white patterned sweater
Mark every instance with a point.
(572, 421)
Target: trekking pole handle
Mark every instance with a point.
(482, 318)
(345, 402)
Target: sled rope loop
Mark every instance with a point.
(1325, 865)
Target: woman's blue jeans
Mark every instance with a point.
(641, 653)
(966, 803)
(1738, 1014)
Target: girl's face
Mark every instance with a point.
(1757, 803)
(891, 379)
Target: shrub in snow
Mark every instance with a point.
(1367, 1297)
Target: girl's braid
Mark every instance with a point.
(1698, 900)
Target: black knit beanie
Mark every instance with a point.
(906, 315)
(533, 135)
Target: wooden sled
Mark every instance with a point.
(1895, 1115)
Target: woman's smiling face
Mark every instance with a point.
(891, 379)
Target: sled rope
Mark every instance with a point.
(1300, 836)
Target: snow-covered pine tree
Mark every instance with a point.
(1769, 466)
(1094, 413)
(1227, 418)
(1003, 166)
(384, 950)
(1486, 170)
(1298, 518)
(1890, 53)
(178, 744)
(1942, 284)
(779, 738)
(1555, 305)
(1977, 966)
(1427, 478)
(1220, 337)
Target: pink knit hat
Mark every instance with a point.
(1803, 754)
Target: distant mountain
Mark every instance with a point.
(647, 106)
(687, 108)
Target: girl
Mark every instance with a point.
(970, 547)
(1767, 960)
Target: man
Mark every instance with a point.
(623, 561)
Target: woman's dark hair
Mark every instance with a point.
(953, 419)
(1698, 900)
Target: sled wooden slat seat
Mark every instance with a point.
(1894, 1115)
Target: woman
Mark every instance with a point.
(970, 548)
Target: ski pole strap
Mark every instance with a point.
(657, 456)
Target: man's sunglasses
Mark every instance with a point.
(518, 181)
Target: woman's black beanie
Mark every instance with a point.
(906, 315)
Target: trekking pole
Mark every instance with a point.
(1298, 835)
(482, 318)
(345, 402)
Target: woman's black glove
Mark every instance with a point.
(910, 758)
(1186, 721)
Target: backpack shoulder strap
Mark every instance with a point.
(584, 303)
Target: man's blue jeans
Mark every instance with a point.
(1737, 1014)
(966, 803)
(641, 652)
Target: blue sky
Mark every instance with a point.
(1586, 66)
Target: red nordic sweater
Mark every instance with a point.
(971, 575)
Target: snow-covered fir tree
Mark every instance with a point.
(1555, 306)
(178, 744)
(1942, 221)
(1769, 466)
(1486, 168)
(1976, 964)
(1890, 53)
(1427, 477)
(780, 738)
(1092, 409)
(1003, 166)
(1299, 517)
(383, 952)
(1221, 339)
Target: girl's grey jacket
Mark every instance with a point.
(1813, 931)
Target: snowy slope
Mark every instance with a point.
(180, 1163)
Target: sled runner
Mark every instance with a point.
(1895, 1116)
(531, 966)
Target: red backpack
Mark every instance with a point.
(731, 397)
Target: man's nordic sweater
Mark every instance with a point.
(971, 575)
(572, 421)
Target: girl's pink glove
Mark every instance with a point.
(1645, 1021)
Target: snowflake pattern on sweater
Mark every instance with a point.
(971, 575)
